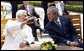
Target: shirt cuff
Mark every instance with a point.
(68, 42)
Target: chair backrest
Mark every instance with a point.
(76, 20)
(19, 5)
(49, 4)
(3, 22)
(1, 7)
(2, 12)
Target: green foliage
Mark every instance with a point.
(76, 8)
(36, 3)
(74, 2)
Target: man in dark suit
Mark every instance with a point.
(44, 4)
(14, 7)
(31, 13)
(61, 29)
(62, 7)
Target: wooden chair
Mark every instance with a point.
(19, 5)
(2, 8)
(2, 12)
(76, 20)
(49, 4)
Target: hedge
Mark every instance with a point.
(74, 2)
(36, 3)
(76, 8)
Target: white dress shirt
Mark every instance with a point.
(59, 8)
(58, 21)
(27, 8)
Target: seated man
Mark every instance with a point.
(61, 29)
(17, 32)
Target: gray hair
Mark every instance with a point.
(54, 9)
(19, 13)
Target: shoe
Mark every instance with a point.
(42, 30)
(36, 39)
(45, 31)
(32, 43)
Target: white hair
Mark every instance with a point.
(54, 9)
(19, 13)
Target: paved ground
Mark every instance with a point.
(40, 11)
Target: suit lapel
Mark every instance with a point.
(56, 26)
(63, 24)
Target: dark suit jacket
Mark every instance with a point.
(44, 4)
(31, 9)
(67, 33)
(14, 5)
(65, 12)
(16, 2)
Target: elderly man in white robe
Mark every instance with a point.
(17, 33)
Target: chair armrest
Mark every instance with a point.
(2, 37)
(2, 42)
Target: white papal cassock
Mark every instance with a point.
(14, 35)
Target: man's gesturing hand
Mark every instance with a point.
(29, 20)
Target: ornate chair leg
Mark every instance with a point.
(41, 34)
